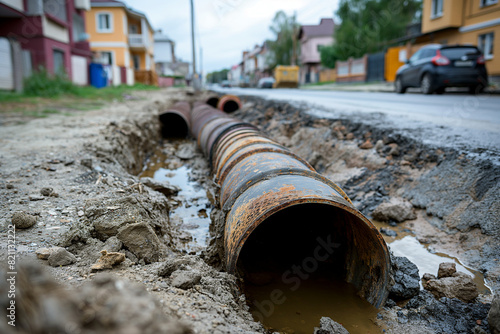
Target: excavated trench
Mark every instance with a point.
(293, 266)
(300, 261)
(305, 235)
(305, 260)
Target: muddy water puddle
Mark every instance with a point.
(192, 213)
(427, 260)
(298, 309)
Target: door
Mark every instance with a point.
(411, 75)
(6, 65)
(79, 70)
(137, 62)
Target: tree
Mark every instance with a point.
(328, 57)
(282, 49)
(217, 76)
(367, 25)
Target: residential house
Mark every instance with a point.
(42, 33)
(164, 56)
(254, 65)
(169, 68)
(474, 22)
(312, 38)
(235, 75)
(250, 65)
(246, 67)
(122, 38)
(262, 66)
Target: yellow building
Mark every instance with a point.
(123, 38)
(474, 22)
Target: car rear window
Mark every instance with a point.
(456, 53)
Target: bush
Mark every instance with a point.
(41, 83)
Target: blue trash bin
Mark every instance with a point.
(98, 77)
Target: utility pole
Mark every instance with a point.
(201, 66)
(195, 81)
(294, 41)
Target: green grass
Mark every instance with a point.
(45, 95)
(50, 111)
(14, 97)
(109, 93)
(43, 85)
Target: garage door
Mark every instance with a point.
(6, 66)
(79, 70)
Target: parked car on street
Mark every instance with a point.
(266, 82)
(435, 67)
(226, 83)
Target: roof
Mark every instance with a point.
(160, 37)
(324, 28)
(114, 3)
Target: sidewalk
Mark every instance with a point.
(386, 87)
(354, 87)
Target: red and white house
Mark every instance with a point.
(44, 33)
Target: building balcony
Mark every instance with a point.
(137, 41)
(12, 8)
(82, 47)
(82, 4)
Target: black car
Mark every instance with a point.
(435, 67)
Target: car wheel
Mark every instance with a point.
(476, 89)
(398, 85)
(426, 84)
(440, 90)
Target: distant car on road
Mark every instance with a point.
(266, 83)
(435, 67)
(226, 83)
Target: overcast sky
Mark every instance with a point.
(225, 28)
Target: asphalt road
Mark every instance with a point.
(466, 122)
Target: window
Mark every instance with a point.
(133, 29)
(319, 47)
(105, 57)
(55, 8)
(137, 62)
(437, 8)
(428, 53)
(488, 2)
(104, 22)
(79, 33)
(416, 56)
(58, 57)
(485, 44)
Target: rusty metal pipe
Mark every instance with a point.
(213, 101)
(176, 121)
(201, 115)
(227, 139)
(229, 103)
(278, 209)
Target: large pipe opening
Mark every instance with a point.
(213, 101)
(300, 241)
(230, 106)
(173, 125)
(302, 235)
(309, 251)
